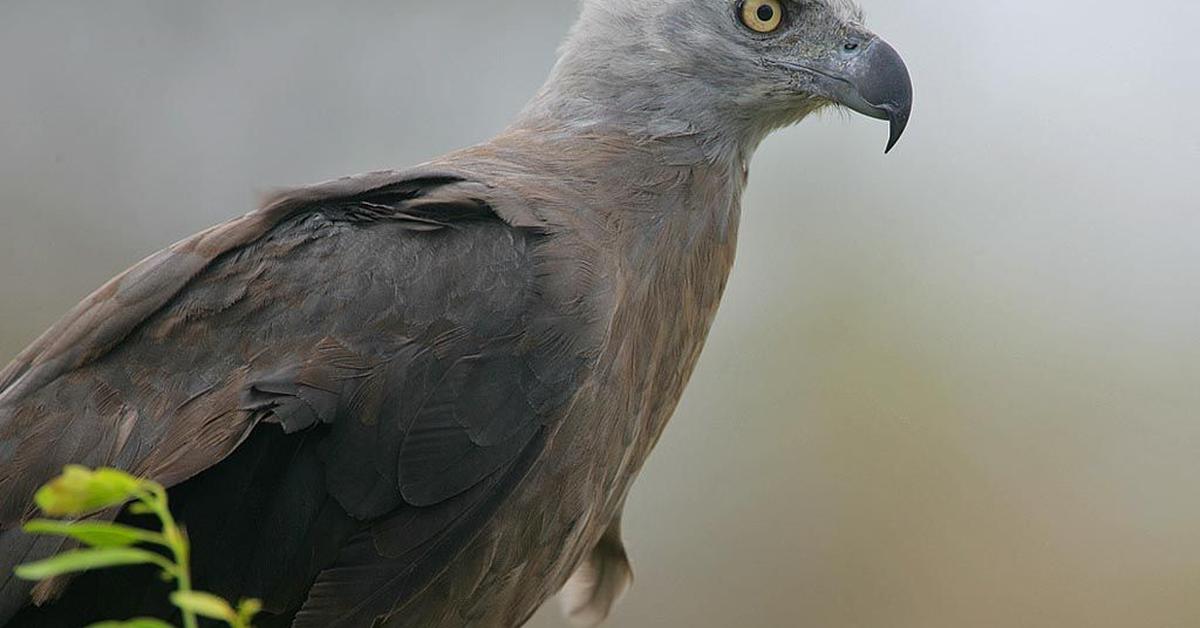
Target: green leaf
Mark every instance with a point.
(139, 508)
(88, 559)
(95, 533)
(247, 609)
(80, 491)
(205, 605)
(140, 622)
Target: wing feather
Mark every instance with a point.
(393, 325)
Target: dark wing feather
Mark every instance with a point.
(395, 329)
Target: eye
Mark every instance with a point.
(763, 16)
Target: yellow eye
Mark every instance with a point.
(763, 16)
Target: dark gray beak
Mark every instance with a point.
(870, 78)
(876, 84)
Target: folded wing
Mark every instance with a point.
(370, 366)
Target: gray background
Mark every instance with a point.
(952, 387)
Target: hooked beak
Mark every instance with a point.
(871, 80)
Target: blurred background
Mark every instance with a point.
(955, 386)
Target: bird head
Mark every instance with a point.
(735, 67)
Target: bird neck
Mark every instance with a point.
(584, 117)
(588, 96)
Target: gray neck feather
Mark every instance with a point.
(623, 71)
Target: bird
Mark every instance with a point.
(420, 396)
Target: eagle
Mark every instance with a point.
(419, 397)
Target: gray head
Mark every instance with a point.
(729, 71)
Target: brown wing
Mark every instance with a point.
(389, 356)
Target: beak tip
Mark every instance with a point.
(898, 124)
(897, 132)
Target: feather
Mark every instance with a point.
(599, 582)
(400, 418)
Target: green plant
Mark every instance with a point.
(81, 492)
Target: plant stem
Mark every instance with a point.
(156, 500)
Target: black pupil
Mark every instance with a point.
(766, 13)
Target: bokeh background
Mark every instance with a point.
(956, 386)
